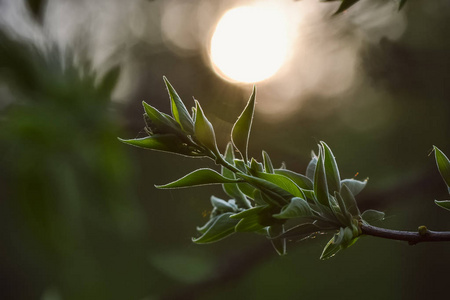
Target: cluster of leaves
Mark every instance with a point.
(275, 202)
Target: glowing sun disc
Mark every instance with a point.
(250, 43)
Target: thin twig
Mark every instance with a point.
(411, 237)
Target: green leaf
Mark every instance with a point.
(443, 164)
(333, 246)
(196, 178)
(255, 166)
(232, 189)
(279, 244)
(331, 170)
(444, 204)
(268, 167)
(159, 122)
(296, 209)
(179, 111)
(320, 180)
(240, 133)
(221, 227)
(222, 205)
(370, 216)
(300, 231)
(204, 131)
(166, 143)
(345, 5)
(272, 190)
(349, 200)
(250, 224)
(283, 182)
(311, 167)
(301, 180)
(248, 212)
(343, 209)
(355, 186)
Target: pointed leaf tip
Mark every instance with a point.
(240, 133)
(179, 111)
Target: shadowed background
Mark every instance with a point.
(79, 215)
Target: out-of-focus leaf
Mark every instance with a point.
(331, 170)
(372, 215)
(179, 111)
(223, 205)
(185, 267)
(198, 177)
(301, 180)
(283, 182)
(443, 164)
(204, 131)
(320, 180)
(279, 244)
(345, 5)
(401, 4)
(37, 8)
(355, 186)
(109, 81)
(268, 167)
(444, 204)
(221, 227)
(240, 133)
(311, 167)
(300, 231)
(164, 142)
(296, 209)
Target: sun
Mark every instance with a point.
(250, 43)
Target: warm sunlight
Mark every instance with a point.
(250, 43)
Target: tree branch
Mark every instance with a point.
(422, 235)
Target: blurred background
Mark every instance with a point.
(79, 215)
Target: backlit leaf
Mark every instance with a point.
(221, 227)
(320, 180)
(301, 180)
(240, 133)
(179, 111)
(443, 164)
(204, 131)
(283, 182)
(196, 178)
(355, 186)
(296, 209)
(268, 167)
(222, 205)
(166, 143)
(331, 170)
(349, 200)
(444, 204)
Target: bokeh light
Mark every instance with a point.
(250, 43)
